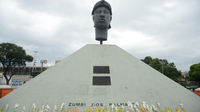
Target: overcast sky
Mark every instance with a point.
(165, 29)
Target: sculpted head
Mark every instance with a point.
(102, 15)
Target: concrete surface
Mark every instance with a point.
(70, 81)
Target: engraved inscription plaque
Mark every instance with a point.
(101, 69)
(101, 80)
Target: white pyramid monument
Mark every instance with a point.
(101, 74)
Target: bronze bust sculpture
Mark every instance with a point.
(102, 15)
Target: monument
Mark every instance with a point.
(102, 15)
(98, 75)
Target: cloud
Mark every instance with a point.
(160, 29)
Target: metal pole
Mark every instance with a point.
(34, 61)
(41, 65)
(185, 81)
(162, 63)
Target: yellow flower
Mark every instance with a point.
(177, 110)
(97, 109)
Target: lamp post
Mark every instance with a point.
(162, 63)
(34, 61)
(42, 61)
(185, 81)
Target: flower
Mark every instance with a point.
(7, 107)
(55, 108)
(24, 109)
(42, 108)
(112, 106)
(123, 107)
(115, 107)
(177, 110)
(153, 106)
(181, 105)
(130, 105)
(34, 107)
(137, 104)
(16, 106)
(155, 109)
(62, 106)
(142, 108)
(47, 108)
(134, 106)
(76, 110)
(89, 108)
(143, 102)
(146, 107)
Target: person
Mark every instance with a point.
(102, 16)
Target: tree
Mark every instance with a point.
(147, 59)
(194, 73)
(13, 58)
(170, 69)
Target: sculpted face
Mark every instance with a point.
(102, 18)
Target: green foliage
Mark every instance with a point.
(35, 73)
(194, 73)
(170, 69)
(12, 56)
(147, 59)
(38, 72)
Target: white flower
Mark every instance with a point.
(144, 105)
(112, 106)
(24, 109)
(34, 107)
(155, 109)
(55, 108)
(129, 103)
(137, 104)
(134, 106)
(150, 108)
(158, 104)
(7, 107)
(16, 106)
(147, 107)
(42, 108)
(143, 102)
(123, 107)
(115, 107)
(131, 106)
(181, 105)
(62, 106)
(153, 106)
(47, 108)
